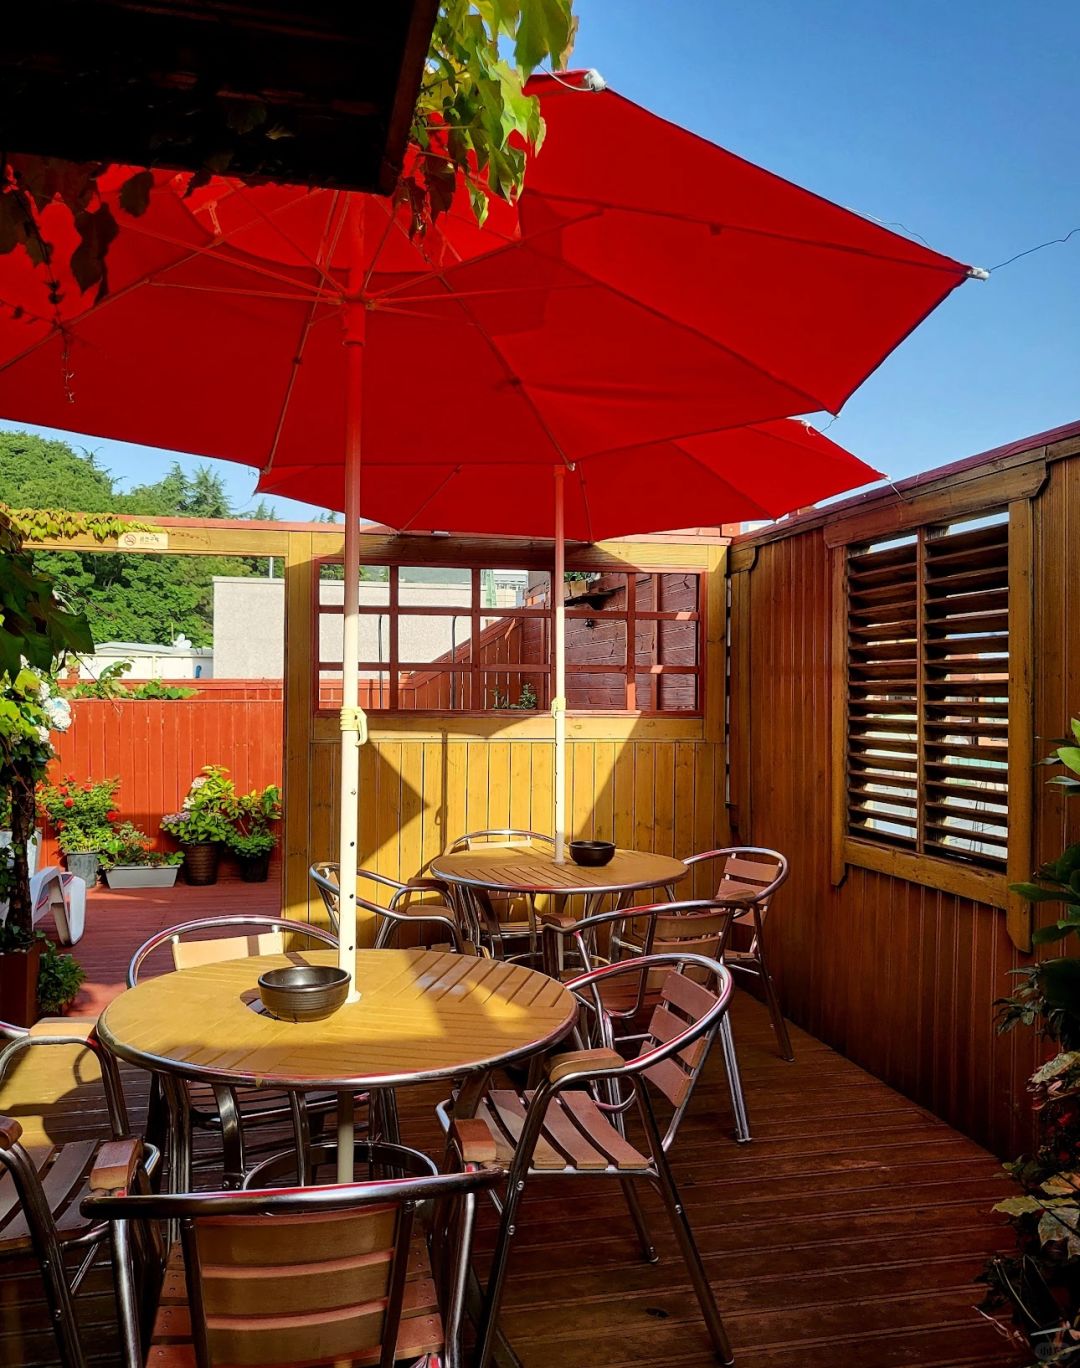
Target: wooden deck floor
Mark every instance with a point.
(848, 1234)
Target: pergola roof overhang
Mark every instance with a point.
(316, 93)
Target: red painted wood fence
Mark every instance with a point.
(156, 748)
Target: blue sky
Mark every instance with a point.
(957, 120)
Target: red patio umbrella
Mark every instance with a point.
(649, 291)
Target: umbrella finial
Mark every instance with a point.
(594, 81)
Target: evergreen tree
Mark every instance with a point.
(144, 598)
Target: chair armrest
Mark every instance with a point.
(64, 1030)
(583, 1064)
(116, 1164)
(559, 921)
(474, 1141)
(10, 1132)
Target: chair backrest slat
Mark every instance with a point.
(190, 954)
(682, 1002)
(754, 872)
(287, 1289)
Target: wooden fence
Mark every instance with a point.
(902, 975)
(156, 748)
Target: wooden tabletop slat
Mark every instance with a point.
(515, 869)
(420, 1012)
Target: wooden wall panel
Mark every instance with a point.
(901, 978)
(416, 797)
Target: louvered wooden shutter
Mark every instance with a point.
(927, 704)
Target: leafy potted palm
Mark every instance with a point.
(251, 839)
(204, 823)
(84, 817)
(129, 862)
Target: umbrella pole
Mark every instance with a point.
(353, 720)
(558, 703)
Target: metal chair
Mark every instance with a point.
(409, 905)
(564, 1128)
(233, 1114)
(748, 876)
(362, 1273)
(500, 918)
(699, 926)
(43, 1187)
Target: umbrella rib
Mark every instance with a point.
(235, 290)
(813, 401)
(508, 245)
(769, 515)
(268, 219)
(210, 252)
(377, 253)
(410, 521)
(946, 265)
(585, 505)
(305, 333)
(504, 363)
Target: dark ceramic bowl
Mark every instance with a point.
(592, 853)
(304, 992)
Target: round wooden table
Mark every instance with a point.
(531, 869)
(421, 1015)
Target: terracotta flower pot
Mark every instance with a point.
(19, 984)
(201, 862)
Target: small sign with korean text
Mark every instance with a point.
(143, 541)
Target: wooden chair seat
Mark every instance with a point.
(420, 1333)
(64, 1173)
(577, 1137)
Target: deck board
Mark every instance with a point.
(849, 1232)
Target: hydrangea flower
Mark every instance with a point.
(58, 711)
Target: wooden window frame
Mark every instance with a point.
(631, 615)
(949, 876)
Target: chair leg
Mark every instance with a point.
(731, 1067)
(779, 1025)
(692, 1258)
(127, 1309)
(486, 1331)
(49, 1255)
(232, 1137)
(637, 1215)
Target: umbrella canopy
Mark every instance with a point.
(738, 475)
(649, 285)
(648, 292)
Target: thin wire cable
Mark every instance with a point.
(1053, 242)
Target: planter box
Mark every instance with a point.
(18, 985)
(142, 876)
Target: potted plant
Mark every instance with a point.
(204, 823)
(27, 714)
(84, 817)
(1040, 1282)
(129, 862)
(59, 979)
(251, 840)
